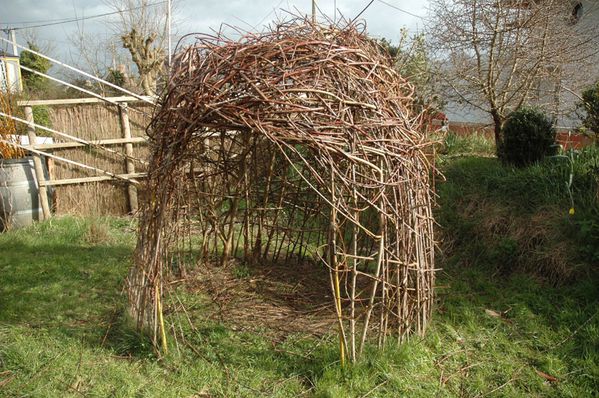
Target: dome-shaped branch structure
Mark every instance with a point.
(301, 142)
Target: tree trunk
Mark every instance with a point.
(147, 84)
(149, 59)
(497, 122)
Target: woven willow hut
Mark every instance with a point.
(298, 142)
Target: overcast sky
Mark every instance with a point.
(197, 16)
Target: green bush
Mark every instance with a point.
(34, 83)
(41, 116)
(527, 137)
(588, 108)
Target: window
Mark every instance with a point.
(9, 75)
(3, 78)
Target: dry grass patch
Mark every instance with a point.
(277, 300)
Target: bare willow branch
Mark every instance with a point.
(303, 143)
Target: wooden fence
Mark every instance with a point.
(105, 158)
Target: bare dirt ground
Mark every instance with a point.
(276, 299)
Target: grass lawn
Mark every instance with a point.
(498, 331)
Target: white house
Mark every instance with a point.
(558, 98)
(10, 72)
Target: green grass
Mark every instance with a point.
(63, 331)
(456, 145)
(518, 219)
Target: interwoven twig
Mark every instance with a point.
(299, 143)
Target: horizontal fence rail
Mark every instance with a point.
(102, 125)
(106, 142)
(79, 101)
(82, 180)
(99, 149)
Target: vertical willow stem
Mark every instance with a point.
(334, 265)
(379, 265)
(352, 318)
(161, 319)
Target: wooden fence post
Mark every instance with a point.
(37, 163)
(126, 131)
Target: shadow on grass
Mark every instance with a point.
(67, 288)
(58, 284)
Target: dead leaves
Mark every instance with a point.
(499, 315)
(492, 313)
(7, 377)
(546, 376)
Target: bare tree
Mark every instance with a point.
(501, 54)
(141, 25)
(45, 46)
(139, 28)
(91, 54)
(414, 63)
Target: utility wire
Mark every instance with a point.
(399, 9)
(83, 18)
(274, 9)
(364, 9)
(36, 21)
